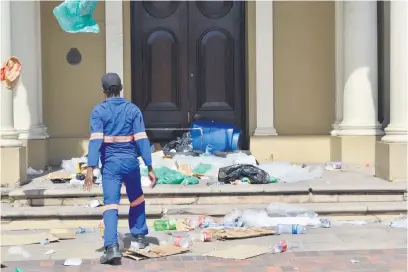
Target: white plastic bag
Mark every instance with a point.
(257, 219)
(32, 172)
(241, 158)
(288, 173)
(71, 165)
(73, 262)
(19, 251)
(233, 217)
(276, 209)
(400, 223)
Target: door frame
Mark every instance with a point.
(244, 74)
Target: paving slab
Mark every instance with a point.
(10, 212)
(316, 261)
(317, 250)
(350, 178)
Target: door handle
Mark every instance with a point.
(191, 75)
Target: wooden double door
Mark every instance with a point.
(188, 63)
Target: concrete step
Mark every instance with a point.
(69, 223)
(223, 194)
(158, 211)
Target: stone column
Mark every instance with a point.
(114, 38)
(360, 101)
(8, 135)
(26, 41)
(396, 131)
(339, 34)
(264, 69)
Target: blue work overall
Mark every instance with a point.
(118, 138)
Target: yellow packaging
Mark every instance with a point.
(102, 228)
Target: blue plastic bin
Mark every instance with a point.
(221, 136)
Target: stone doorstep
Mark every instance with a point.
(72, 223)
(160, 210)
(96, 192)
(208, 200)
(278, 189)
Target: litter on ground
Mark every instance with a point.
(237, 168)
(73, 262)
(32, 172)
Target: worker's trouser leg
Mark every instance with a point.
(137, 214)
(111, 184)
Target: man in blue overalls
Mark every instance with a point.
(118, 137)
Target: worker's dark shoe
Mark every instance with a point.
(112, 255)
(140, 239)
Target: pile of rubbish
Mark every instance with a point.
(74, 171)
(234, 168)
(183, 234)
(209, 151)
(188, 169)
(277, 218)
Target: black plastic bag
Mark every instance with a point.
(240, 171)
(182, 144)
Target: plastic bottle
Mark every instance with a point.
(203, 236)
(325, 223)
(44, 241)
(219, 225)
(289, 228)
(198, 221)
(282, 246)
(180, 241)
(84, 230)
(162, 225)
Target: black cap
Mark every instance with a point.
(111, 79)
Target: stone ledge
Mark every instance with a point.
(229, 190)
(65, 211)
(9, 212)
(320, 208)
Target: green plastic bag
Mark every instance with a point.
(190, 180)
(202, 168)
(170, 177)
(75, 16)
(166, 175)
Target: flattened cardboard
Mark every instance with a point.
(59, 175)
(154, 252)
(239, 233)
(131, 256)
(26, 239)
(240, 252)
(63, 234)
(184, 168)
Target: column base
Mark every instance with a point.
(13, 166)
(395, 138)
(265, 131)
(34, 133)
(395, 135)
(353, 130)
(9, 138)
(391, 161)
(10, 143)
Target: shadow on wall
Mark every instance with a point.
(304, 68)
(71, 85)
(66, 148)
